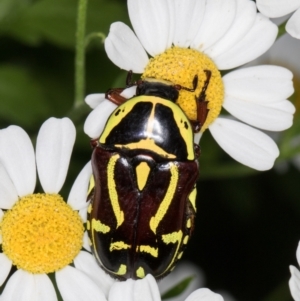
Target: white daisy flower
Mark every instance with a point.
(184, 38)
(146, 289)
(294, 282)
(39, 232)
(279, 8)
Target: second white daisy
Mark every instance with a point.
(185, 38)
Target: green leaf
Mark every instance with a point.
(54, 21)
(178, 288)
(22, 100)
(10, 11)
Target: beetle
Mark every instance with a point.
(143, 189)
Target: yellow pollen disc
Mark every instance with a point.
(41, 233)
(179, 66)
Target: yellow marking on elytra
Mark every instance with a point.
(162, 210)
(148, 249)
(189, 223)
(173, 238)
(186, 239)
(142, 173)
(88, 225)
(119, 245)
(122, 270)
(90, 208)
(179, 255)
(113, 195)
(179, 116)
(91, 184)
(140, 272)
(192, 198)
(99, 227)
(148, 144)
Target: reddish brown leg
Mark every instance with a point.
(201, 102)
(114, 96)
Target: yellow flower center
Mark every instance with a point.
(179, 66)
(41, 233)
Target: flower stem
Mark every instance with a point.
(80, 53)
(93, 36)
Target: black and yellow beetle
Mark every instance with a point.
(142, 193)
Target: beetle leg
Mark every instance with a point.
(129, 82)
(114, 95)
(94, 142)
(197, 150)
(201, 102)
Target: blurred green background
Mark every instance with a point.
(248, 222)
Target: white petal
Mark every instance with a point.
(197, 137)
(87, 264)
(172, 20)
(83, 213)
(17, 156)
(129, 92)
(95, 122)
(245, 144)
(258, 40)
(218, 17)
(86, 242)
(93, 100)
(20, 287)
(294, 283)
(204, 294)
(277, 8)
(298, 253)
(293, 25)
(266, 117)
(5, 266)
(124, 49)
(182, 271)
(148, 286)
(122, 291)
(54, 146)
(44, 289)
(23, 286)
(261, 84)
(78, 194)
(135, 290)
(244, 19)
(74, 285)
(152, 22)
(189, 16)
(8, 191)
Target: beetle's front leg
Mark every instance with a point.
(201, 103)
(114, 95)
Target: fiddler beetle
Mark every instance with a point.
(143, 189)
